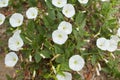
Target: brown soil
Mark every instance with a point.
(5, 70)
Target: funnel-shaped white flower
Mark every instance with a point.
(59, 3)
(112, 45)
(83, 1)
(4, 3)
(16, 20)
(102, 43)
(15, 42)
(2, 19)
(118, 32)
(64, 76)
(59, 36)
(32, 13)
(76, 63)
(105, 0)
(65, 26)
(68, 10)
(11, 59)
(115, 38)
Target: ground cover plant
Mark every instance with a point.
(61, 39)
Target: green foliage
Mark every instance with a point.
(91, 21)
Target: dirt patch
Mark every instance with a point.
(5, 70)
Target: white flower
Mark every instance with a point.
(11, 59)
(104, 0)
(15, 42)
(32, 13)
(115, 38)
(65, 26)
(2, 19)
(112, 45)
(59, 36)
(118, 32)
(59, 3)
(76, 63)
(83, 1)
(102, 43)
(64, 76)
(4, 3)
(16, 20)
(68, 10)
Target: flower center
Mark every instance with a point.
(17, 43)
(0, 20)
(75, 62)
(14, 59)
(66, 11)
(101, 45)
(64, 27)
(58, 2)
(3, 2)
(18, 21)
(33, 14)
(60, 36)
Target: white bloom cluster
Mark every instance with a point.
(109, 44)
(15, 43)
(60, 35)
(4, 3)
(76, 63)
(68, 9)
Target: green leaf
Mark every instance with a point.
(93, 60)
(60, 59)
(32, 2)
(37, 57)
(51, 14)
(80, 18)
(8, 77)
(59, 15)
(49, 4)
(46, 53)
(58, 49)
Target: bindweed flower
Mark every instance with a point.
(59, 37)
(32, 13)
(112, 45)
(118, 32)
(105, 0)
(11, 59)
(115, 38)
(16, 20)
(102, 43)
(59, 3)
(64, 76)
(2, 19)
(4, 3)
(76, 63)
(15, 42)
(65, 26)
(68, 10)
(83, 1)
